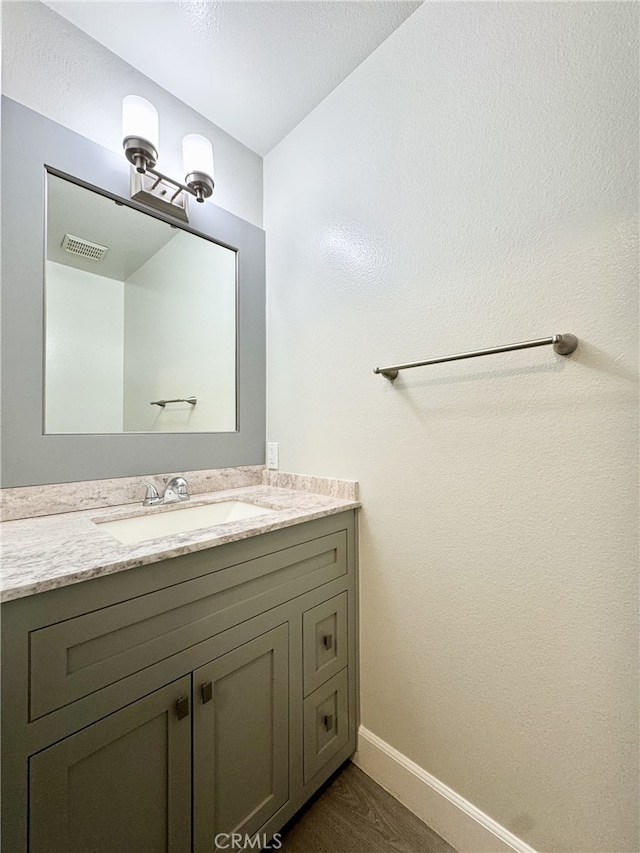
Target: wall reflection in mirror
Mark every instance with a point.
(137, 311)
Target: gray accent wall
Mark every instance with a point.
(31, 146)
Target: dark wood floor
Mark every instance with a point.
(352, 814)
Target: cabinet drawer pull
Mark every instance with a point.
(327, 641)
(207, 692)
(327, 722)
(182, 707)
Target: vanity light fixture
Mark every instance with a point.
(140, 143)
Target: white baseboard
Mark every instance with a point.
(458, 821)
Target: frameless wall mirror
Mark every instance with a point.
(140, 321)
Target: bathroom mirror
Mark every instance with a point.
(36, 152)
(140, 321)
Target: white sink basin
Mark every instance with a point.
(180, 520)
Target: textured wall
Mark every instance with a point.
(56, 69)
(474, 182)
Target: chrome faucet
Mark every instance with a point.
(176, 490)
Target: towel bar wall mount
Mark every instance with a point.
(563, 344)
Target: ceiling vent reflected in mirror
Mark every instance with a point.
(84, 248)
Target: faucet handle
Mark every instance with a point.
(151, 497)
(178, 486)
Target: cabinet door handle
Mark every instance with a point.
(207, 692)
(327, 641)
(182, 707)
(327, 722)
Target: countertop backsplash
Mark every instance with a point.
(346, 490)
(34, 501)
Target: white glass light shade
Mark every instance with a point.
(139, 119)
(197, 153)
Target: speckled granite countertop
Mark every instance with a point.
(51, 551)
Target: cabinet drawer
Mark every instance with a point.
(324, 641)
(326, 723)
(74, 658)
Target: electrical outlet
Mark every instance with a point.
(272, 455)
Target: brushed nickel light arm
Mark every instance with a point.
(563, 344)
(198, 184)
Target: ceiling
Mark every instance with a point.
(255, 69)
(131, 237)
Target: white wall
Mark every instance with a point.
(57, 70)
(474, 182)
(180, 338)
(84, 345)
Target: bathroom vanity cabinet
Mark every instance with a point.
(161, 707)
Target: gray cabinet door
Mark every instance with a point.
(122, 784)
(240, 731)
